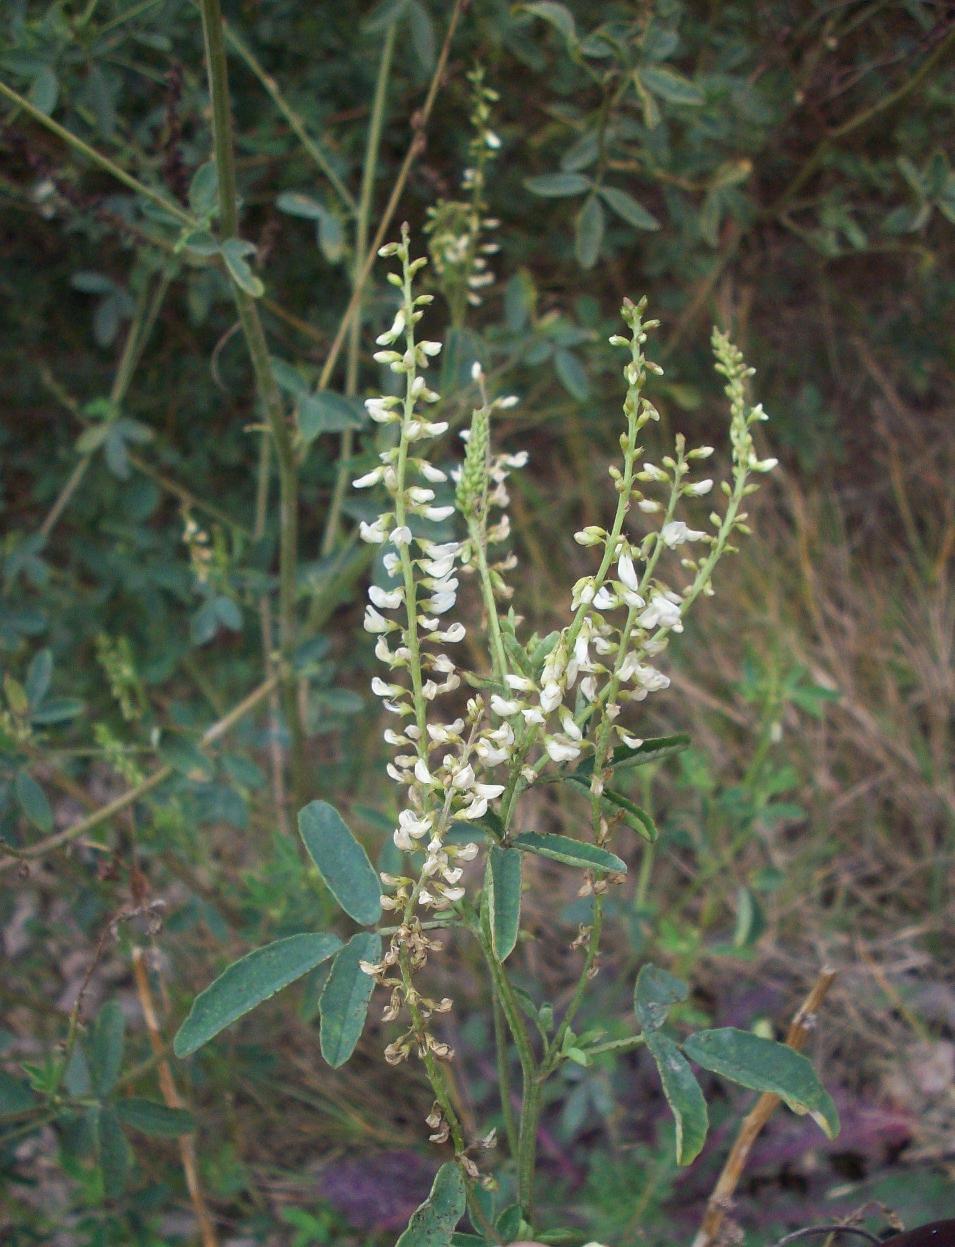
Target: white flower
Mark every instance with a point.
(676, 533)
(627, 572)
(503, 707)
(400, 536)
(604, 599)
(560, 749)
(662, 612)
(373, 533)
(699, 489)
(551, 697)
(375, 622)
(370, 478)
(385, 598)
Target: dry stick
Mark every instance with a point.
(172, 1098)
(718, 1204)
(120, 803)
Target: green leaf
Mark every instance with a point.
(294, 203)
(234, 251)
(651, 750)
(33, 802)
(570, 852)
(570, 372)
(502, 887)
(204, 190)
(615, 802)
(422, 34)
(57, 710)
(764, 1065)
(341, 861)
(184, 756)
(15, 1096)
(388, 11)
(38, 678)
(589, 232)
(115, 1157)
(45, 90)
(328, 412)
(106, 1045)
(558, 185)
(432, 1223)
(655, 992)
(558, 15)
(750, 919)
(683, 1096)
(154, 1119)
(628, 208)
(671, 86)
(249, 981)
(343, 1003)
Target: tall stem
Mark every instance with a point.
(361, 246)
(265, 383)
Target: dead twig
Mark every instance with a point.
(719, 1202)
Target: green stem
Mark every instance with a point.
(139, 330)
(552, 1056)
(526, 1155)
(498, 654)
(362, 222)
(504, 1078)
(295, 121)
(266, 386)
(104, 162)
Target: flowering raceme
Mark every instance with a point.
(551, 702)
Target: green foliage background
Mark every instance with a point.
(783, 169)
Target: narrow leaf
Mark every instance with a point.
(432, 1223)
(652, 750)
(558, 15)
(764, 1065)
(154, 1119)
(33, 802)
(557, 185)
(671, 86)
(233, 253)
(249, 981)
(655, 992)
(38, 677)
(294, 203)
(343, 1003)
(502, 885)
(683, 1096)
(115, 1157)
(341, 861)
(628, 208)
(615, 803)
(589, 232)
(570, 852)
(15, 1096)
(106, 1047)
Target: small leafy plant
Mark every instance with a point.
(559, 709)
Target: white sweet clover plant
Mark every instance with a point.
(558, 708)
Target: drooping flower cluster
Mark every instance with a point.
(458, 227)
